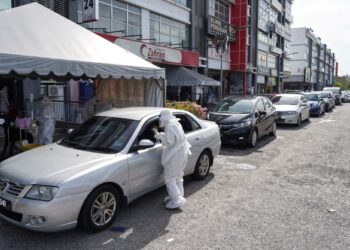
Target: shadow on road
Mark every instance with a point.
(242, 149)
(144, 220)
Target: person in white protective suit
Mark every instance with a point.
(47, 122)
(174, 158)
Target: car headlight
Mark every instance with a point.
(42, 193)
(243, 124)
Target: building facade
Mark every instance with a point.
(259, 60)
(312, 63)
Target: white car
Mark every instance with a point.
(109, 161)
(291, 108)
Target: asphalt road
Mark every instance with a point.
(290, 192)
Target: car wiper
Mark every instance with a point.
(102, 149)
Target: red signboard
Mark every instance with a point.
(156, 53)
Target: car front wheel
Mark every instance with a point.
(253, 138)
(100, 209)
(274, 129)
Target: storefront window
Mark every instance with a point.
(168, 32)
(272, 62)
(116, 17)
(5, 4)
(262, 59)
(220, 9)
(262, 37)
(182, 2)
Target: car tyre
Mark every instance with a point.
(253, 138)
(274, 129)
(203, 165)
(299, 121)
(100, 209)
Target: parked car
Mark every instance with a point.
(299, 92)
(291, 108)
(337, 94)
(109, 161)
(345, 97)
(329, 100)
(244, 119)
(316, 102)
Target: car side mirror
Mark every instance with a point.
(145, 143)
(262, 113)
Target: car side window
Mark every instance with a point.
(146, 131)
(260, 106)
(267, 104)
(187, 123)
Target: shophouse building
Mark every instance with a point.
(312, 63)
(260, 57)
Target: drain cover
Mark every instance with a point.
(245, 166)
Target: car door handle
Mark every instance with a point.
(197, 138)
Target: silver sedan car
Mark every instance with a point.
(291, 108)
(85, 178)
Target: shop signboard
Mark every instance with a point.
(90, 10)
(307, 75)
(219, 28)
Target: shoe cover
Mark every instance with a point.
(174, 205)
(167, 199)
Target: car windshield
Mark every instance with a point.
(101, 134)
(324, 95)
(335, 91)
(234, 107)
(312, 97)
(285, 100)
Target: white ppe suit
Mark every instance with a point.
(47, 122)
(174, 158)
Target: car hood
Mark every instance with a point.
(221, 118)
(286, 107)
(49, 165)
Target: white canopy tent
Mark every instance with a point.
(36, 42)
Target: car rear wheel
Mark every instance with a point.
(100, 209)
(253, 138)
(274, 129)
(203, 165)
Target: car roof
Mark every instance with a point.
(247, 97)
(295, 95)
(133, 113)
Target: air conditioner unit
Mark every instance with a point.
(55, 90)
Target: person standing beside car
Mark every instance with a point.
(174, 158)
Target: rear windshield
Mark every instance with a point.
(334, 90)
(312, 97)
(234, 107)
(285, 100)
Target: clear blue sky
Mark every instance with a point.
(330, 20)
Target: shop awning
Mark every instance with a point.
(35, 41)
(185, 77)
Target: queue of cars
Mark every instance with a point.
(246, 119)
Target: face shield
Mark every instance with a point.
(165, 117)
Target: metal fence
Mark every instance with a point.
(64, 111)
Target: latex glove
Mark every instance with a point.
(160, 136)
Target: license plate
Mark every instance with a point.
(5, 203)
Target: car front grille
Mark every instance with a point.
(10, 187)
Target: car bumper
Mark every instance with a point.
(59, 214)
(287, 119)
(315, 111)
(235, 135)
